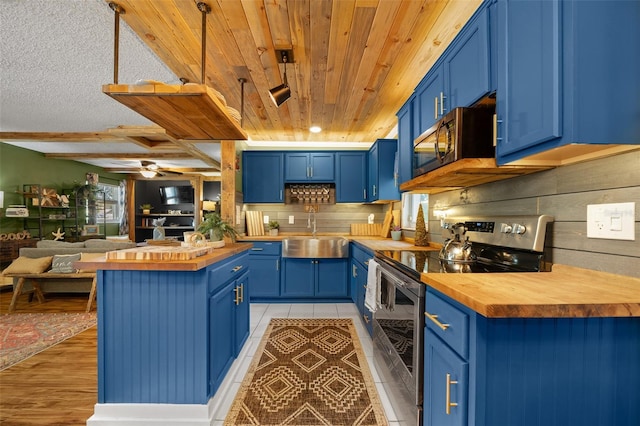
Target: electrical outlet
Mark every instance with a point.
(265, 219)
(611, 221)
(292, 219)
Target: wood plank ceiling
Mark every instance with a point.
(355, 61)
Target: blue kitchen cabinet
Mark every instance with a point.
(528, 371)
(405, 141)
(314, 278)
(351, 176)
(331, 278)
(360, 257)
(383, 182)
(445, 384)
(169, 337)
(460, 77)
(263, 177)
(298, 277)
(309, 167)
(264, 269)
(242, 315)
(567, 74)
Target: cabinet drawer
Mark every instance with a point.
(360, 254)
(227, 270)
(265, 248)
(447, 321)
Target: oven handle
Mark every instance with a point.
(434, 318)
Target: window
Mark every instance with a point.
(410, 204)
(113, 203)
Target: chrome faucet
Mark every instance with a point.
(312, 212)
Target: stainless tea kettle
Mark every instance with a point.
(456, 250)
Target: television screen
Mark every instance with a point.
(171, 195)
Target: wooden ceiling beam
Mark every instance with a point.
(120, 156)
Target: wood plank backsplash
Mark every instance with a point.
(329, 218)
(564, 193)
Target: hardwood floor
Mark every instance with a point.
(58, 386)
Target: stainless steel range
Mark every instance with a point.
(472, 245)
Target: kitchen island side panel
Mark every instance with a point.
(152, 337)
(566, 371)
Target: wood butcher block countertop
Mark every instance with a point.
(194, 264)
(566, 292)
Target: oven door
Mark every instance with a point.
(398, 328)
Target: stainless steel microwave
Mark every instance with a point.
(462, 133)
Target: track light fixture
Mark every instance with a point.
(281, 93)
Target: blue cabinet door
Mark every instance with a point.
(221, 334)
(405, 141)
(298, 277)
(430, 99)
(242, 314)
(466, 65)
(528, 103)
(332, 278)
(446, 383)
(262, 177)
(264, 274)
(383, 182)
(351, 177)
(309, 167)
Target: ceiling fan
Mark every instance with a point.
(149, 169)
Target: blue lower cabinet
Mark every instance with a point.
(169, 337)
(264, 269)
(314, 278)
(528, 371)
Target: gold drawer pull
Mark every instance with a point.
(448, 396)
(366, 318)
(434, 318)
(237, 268)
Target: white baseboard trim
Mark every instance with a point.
(152, 414)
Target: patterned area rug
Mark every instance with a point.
(308, 372)
(24, 335)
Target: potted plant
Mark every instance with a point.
(146, 208)
(216, 227)
(274, 226)
(396, 232)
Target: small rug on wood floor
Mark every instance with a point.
(24, 335)
(308, 372)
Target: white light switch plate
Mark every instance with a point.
(611, 221)
(265, 219)
(291, 219)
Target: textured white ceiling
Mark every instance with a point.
(55, 56)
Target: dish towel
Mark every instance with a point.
(372, 295)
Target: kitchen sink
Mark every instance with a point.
(315, 247)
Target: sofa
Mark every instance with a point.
(49, 256)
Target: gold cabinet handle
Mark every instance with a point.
(448, 402)
(241, 293)
(366, 318)
(354, 271)
(236, 298)
(366, 262)
(435, 108)
(237, 268)
(442, 98)
(434, 318)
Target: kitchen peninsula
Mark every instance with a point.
(168, 332)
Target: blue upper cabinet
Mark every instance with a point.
(567, 74)
(529, 81)
(351, 176)
(405, 141)
(262, 176)
(309, 167)
(460, 77)
(383, 182)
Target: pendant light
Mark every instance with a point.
(280, 94)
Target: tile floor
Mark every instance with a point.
(260, 315)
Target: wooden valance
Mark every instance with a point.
(190, 111)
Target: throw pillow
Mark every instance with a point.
(63, 264)
(58, 244)
(27, 265)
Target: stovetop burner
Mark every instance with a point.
(501, 244)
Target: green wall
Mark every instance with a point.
(19, 166)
